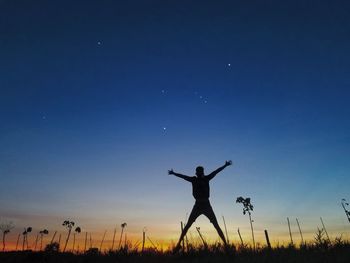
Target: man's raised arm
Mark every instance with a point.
(212, 174)
(185, 177)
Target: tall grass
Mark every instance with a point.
(320, 250)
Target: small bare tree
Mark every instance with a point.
(5, 228)
(69, 225)
(76, 231)
(25, 236)
(42, 233)
(247, 208)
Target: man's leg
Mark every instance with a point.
(210, 214)
(192, 218)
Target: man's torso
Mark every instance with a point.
(200, 188)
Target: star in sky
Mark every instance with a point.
(201, 97)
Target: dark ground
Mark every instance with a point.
(310, 254)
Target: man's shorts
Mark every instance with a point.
(202, 207)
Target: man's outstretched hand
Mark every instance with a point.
(171, 171)
(228, 163)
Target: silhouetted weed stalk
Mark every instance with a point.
(25, 236)
(69, 225)
(247, 208)
(76, 231)
(114, 233)
(201, 236)
(345, 204)
(5, 228)
(40, 236)
(121, 234)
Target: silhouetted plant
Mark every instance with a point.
(201, 237)
(115, 231)
(291, 244)
(338, 241)
(247, 208)
(5, 228)
(69, 225)
(53, 237)
(325, 230)
(339, 244)
(240, 237)
(18, 237)
(25, 236)
(143, 238)
(76, 231)
(121, 234)
(42, 233)
(320, 240)
(103, 238)
(301, 233)
(85, 241)
(52, 247)
(344, 205)
(36, 241)
(92, 251)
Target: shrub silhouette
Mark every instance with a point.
(53, 247)
(320, 240)
(92, 251)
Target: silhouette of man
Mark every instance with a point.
(200, 191)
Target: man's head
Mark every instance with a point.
(200, 171)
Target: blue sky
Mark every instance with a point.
(100, 98)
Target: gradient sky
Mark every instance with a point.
(100, 98)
